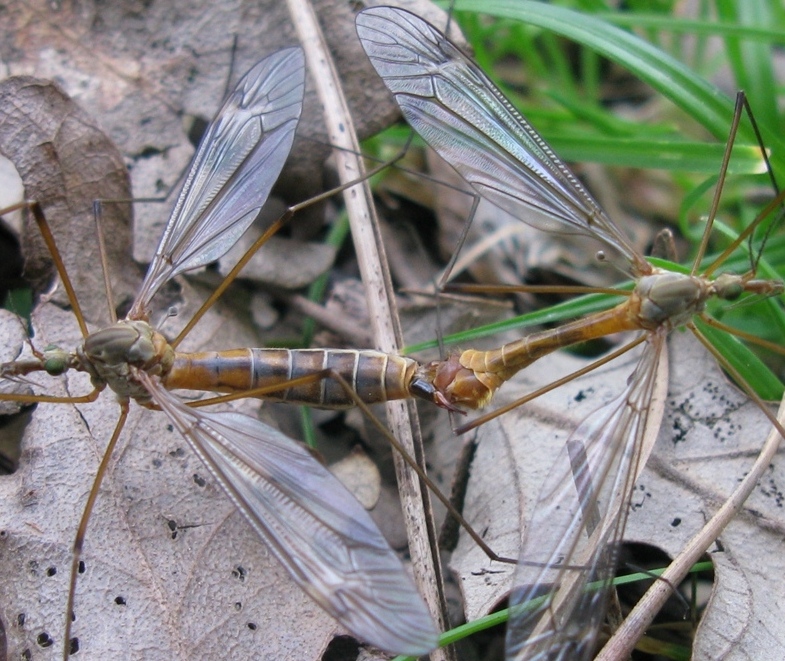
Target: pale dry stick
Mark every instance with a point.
(375, 275)
(623, 641)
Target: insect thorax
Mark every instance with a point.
(111, 354)
(670, 298)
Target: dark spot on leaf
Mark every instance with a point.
(150, 152)
(120, 601)
(44, 640)
(200, 481)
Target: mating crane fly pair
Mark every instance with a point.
(320, 534)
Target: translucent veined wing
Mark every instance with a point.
(459, 112)
(571, 543)
(238, 161)
(318, 531)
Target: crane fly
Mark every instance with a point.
(573, 534)
(320, 534)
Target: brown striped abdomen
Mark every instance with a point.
(373, 375)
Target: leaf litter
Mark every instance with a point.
(36, 495)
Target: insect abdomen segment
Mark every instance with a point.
(373, 375)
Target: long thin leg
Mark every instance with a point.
(72, 645)
(43, 226)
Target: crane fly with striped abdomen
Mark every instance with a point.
(321, 535)
(576, 526)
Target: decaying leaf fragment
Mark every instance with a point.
(65, 163)
(709, 437)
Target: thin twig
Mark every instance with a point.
(375, 275)
(623, 641)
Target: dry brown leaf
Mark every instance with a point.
(283, 263)
(709, 437)
(142, 69)
(66, 162)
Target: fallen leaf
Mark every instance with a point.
(284, 263)
(708, 439)
(169, 564)
(360, 476)
(65, 163)
(142, 70)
